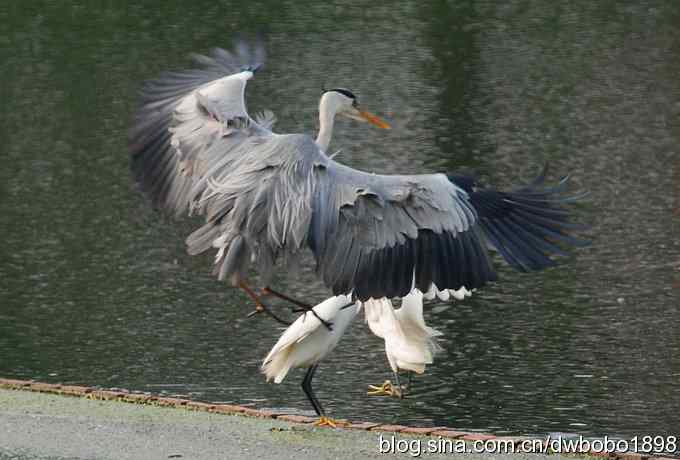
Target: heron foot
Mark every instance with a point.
(262, 308)
(386, 389)
(327, 421)
(302, 306)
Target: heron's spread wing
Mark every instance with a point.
(380, 236)
(189, 121)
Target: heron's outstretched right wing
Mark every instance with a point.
(183, 114)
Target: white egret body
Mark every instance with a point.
(307, 341)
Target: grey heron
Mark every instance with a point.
(268, 197)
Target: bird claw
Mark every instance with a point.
(327, 324)
(258, 309)
(329, 422)
(386, 389)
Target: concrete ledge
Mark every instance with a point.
(122, 395)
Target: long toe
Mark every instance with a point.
(327, 421)
(380, 390)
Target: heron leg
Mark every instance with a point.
(269, 291)
(303, 306)
(260, 307)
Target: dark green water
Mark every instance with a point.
(96, 288)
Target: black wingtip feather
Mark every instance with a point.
(526, 224)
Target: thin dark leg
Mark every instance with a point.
(303, 306)
(401, 391)
(269, 291)
(260, 307)
(307, 388)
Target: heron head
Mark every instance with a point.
(345, 103)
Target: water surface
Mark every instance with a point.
(96, 288)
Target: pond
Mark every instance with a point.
(96, 287)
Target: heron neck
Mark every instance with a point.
(326, 120)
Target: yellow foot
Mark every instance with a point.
(386, 389)
(326, 421)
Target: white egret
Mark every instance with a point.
(306, 342)
(410, 344)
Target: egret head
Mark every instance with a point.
(342, 101)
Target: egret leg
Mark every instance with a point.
(307, 388)
(398, 392)
(260, 307)
(303, 306)
(316, 404)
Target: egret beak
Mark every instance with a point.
(362, 115)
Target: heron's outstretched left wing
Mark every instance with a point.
(183, 114)
(525, 225)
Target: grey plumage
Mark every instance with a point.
(267, 196)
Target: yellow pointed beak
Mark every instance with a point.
(374, 120)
